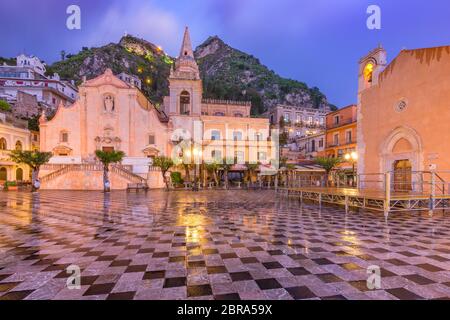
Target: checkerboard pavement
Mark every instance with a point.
(224, 245)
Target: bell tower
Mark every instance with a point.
(370, 68)
(185, 83)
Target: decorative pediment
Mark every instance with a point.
(151, 151)
(62, 149)
(107, 78)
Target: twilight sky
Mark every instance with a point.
(315, 41)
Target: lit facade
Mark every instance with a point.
(403, 112)
(114, 115)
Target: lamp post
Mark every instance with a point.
(195, 153)
(352, 157)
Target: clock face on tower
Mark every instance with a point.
(401, 105)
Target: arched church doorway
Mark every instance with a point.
(402, 175)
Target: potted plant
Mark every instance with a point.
(10, 186)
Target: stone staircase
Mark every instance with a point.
(119, 170)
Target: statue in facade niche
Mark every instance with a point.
(109, 103)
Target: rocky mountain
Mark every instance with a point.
(232, 74)
(227, 73)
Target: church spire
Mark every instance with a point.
(185, 65)
(186, 46)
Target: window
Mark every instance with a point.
(185, 103)
(336, 139)
(238, 115)
(299, 118)
(215, 135)
(262, 156)
(340, 153)
(64, 137)
(216, 155)
(321, 121)
(151, 139)
(310, 120)
(286, 117)
(336, 119)
(19, 146)
(348, 136)
(3, 144)
(19, 174)
(3, 174)
(321, 143)
(239, 157)
(313, 146)
(368, 72)
(237, 136)
(219, 114)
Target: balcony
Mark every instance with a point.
(340, 144)
(341, 123)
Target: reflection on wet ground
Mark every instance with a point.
(214, 245)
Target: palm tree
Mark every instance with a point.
(164, 163)
(212, 169)
(251, 169)
(328, 164)
(34, 159)
(106, 158)
(226, 166)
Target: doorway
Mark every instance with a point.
(402, 176)
(19, 174)
(108, 149)
(3, 174)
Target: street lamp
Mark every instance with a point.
(196, 152)
(352, 157)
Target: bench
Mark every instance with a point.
(137, 187)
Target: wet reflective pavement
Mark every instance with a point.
(214, 245)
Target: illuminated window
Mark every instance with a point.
(19, 146)
(215, 135)
(237, 136)
(3, 144)
(368, 72)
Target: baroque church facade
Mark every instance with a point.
(111, 114)
(403, 116)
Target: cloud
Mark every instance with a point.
(144, 20)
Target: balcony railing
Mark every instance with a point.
(341, 123)
(340, 144)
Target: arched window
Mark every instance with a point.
(18, 145)
(3, 144)
(368, 72)
(185, 103)
(3, 175)
(19, 174)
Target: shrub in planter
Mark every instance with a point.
(176, 178)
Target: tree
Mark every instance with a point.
(212, 169)
(34, 159)
(4, 106)
(251, 169)
(226, 166)
(328, 164)
(164, 163)
(107, 158)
